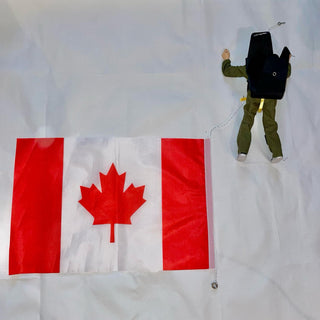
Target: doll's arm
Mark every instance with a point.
(231, 71)
(289, 70)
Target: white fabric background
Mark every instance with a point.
(131, 68)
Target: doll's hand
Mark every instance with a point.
(225, 54)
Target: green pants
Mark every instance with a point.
(269, 124)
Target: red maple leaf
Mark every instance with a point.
(112, 205)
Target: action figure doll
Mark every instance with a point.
(268, 98)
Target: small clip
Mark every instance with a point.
(278, 24)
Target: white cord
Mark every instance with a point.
(226, 122)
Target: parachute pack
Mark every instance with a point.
(267, 72)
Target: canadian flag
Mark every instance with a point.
(108, 204)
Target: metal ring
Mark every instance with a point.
(214, 285)
(274, 74)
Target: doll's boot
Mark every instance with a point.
(241, 157)
(276, 159)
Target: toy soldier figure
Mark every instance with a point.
(266, 74)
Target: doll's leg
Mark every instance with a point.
(271, 127)
(244, 136)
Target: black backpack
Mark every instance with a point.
(267, 72)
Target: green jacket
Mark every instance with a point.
(239, 71)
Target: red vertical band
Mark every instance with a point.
(184, 212)
(36, 206)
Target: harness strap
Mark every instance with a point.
(261, 105)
